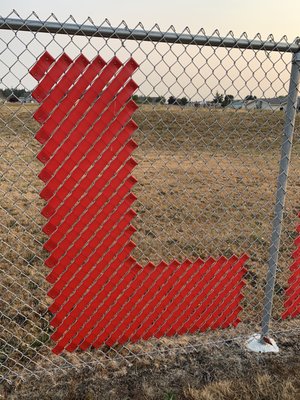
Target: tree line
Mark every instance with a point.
(14, 94)
(160, 100)
(221, 99)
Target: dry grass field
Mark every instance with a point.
(206, 186)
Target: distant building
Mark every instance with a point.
(272, 104)
(197, 104)
(27, 99)
(237, 104)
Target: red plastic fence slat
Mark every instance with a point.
(291, 312)
(115, 247)
(218, 319)
(129, 323)
(296, 253)
(106, 152)
(42, 66)
(88, 239)
(160, 278)
(100, 293)
(135, 299)
(296, 312)
(60, 90)
(68, 281)
(79, 112)
(295, 271)
(66, 339)
(233, 319)
(98, 335)
(51, 78)
(221, 305)
(54, 186)
(92, 322)
(294, 284)
(295, 266)
(94, 297)
(162, 299)
(77, 312)
(85, 202)
(184, 308)
(224, 290)
(297, 241)
(59, 169)
(114, 286)
(56, 206)
(89, 119)
(101, 319)
(61, 113)
(196, 294)
(102, 163)
(87, 124)
(88, 98)
(104, 204)
(128, 165)
(157, 329)
(101, 216)
(114, 339)
(195, 272)
(108, 230)
(292, 293)
(130, 295)
(293, 298)
(206, 297)
(83, 311)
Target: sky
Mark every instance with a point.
(189, 72)
(263, 16)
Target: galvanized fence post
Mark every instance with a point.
(281, 193)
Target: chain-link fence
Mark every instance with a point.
(203, 117)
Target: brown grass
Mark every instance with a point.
(226, 372)
(206, 186)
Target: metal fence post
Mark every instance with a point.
(281, 192)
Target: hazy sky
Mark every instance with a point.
(265, 16)
(181, 71)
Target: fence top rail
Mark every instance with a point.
(147, 35)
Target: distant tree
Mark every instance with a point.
(172, 100)
(160, 100)
(178, 102)
(228, 98)
(250, 97)
(218, 98)
(183, 101)
(148, 99)
(13, 95)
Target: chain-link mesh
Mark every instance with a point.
(210, 119)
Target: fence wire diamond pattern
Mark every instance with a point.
(199, 119)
